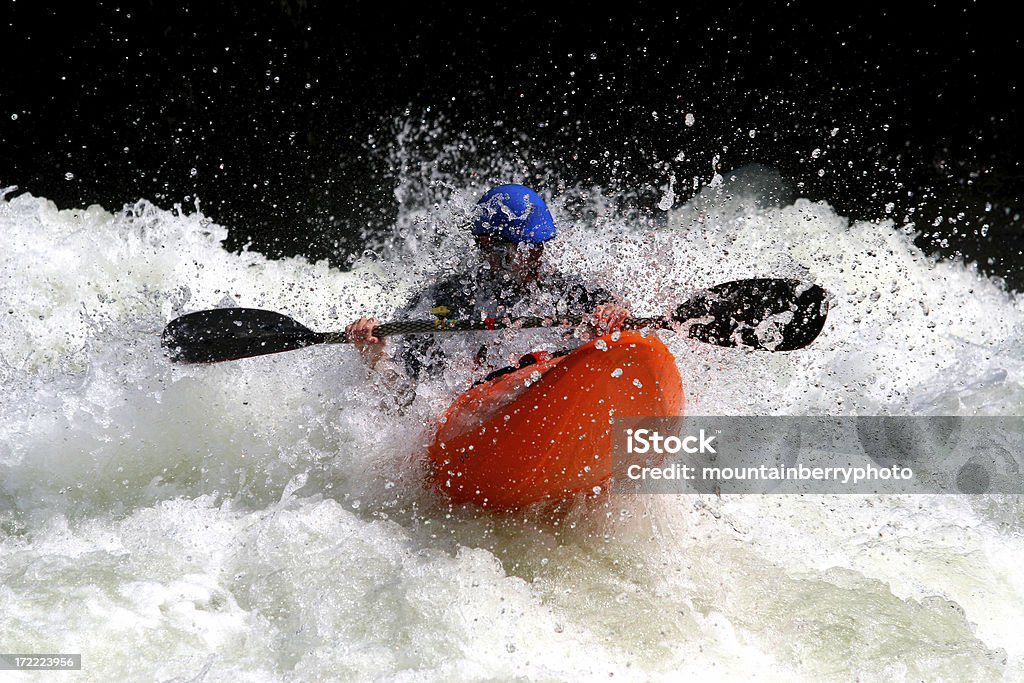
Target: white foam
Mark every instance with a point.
(265, 520)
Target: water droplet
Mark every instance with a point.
(617, 372)
(69, 176)
(601, 345)
(637, 384)
(14, 117)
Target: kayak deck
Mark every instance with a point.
(543, 432)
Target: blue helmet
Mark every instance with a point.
(515, 213)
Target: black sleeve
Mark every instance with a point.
(579, 299)
(418, 352)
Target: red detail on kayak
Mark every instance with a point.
(542, 432)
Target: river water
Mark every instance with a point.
(266, 519)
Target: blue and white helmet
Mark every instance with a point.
(515, 213)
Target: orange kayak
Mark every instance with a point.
(542, 432)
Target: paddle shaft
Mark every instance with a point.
(443, 325)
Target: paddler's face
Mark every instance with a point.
(520, 261)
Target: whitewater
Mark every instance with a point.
(266, 519)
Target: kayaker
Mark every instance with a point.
(511, 224)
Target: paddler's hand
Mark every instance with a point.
(609, 318)
(370, 348)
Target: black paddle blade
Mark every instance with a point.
(768, 314)
(231, 333)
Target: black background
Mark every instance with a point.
(281, 116)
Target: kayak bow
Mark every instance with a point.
(543, 432)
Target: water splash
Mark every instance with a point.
(266, 518)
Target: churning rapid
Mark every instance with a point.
(266, 519)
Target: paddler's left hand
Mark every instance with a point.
(608, 318)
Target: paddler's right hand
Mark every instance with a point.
(360, 333)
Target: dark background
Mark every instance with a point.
(281, 116)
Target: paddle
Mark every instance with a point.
(767, 314)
